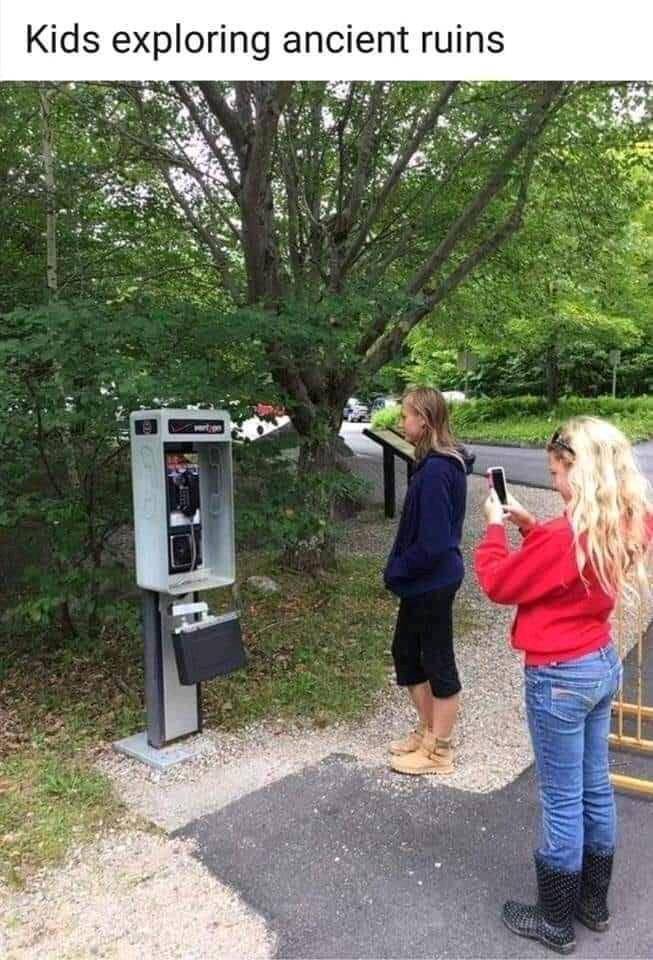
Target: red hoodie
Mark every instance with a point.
(558, 616)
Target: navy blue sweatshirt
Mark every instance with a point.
(426, 553)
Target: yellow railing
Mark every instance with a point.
(637, 713)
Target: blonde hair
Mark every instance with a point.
(610, 503)
(429, 404)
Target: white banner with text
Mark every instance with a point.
(466, 39)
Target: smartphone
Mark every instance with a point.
(497, 478)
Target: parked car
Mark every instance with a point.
(380, 403)
(355, 411)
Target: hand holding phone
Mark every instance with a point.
(497, 480)
(519, 515)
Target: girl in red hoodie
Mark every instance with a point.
(565, 581)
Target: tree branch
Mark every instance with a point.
(257, 201)
(341, 126)
(396, 228)
(361, 174)
(294, 215)
(269, 108)
(385, 347)
(211, 141)
(424, 128)
(529, 131)
(220, 259)
(226, 116)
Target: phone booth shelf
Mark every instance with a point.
(182, 485)
(208, 582)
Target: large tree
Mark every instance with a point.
(572, 286)
(118, 231)
(336, 216)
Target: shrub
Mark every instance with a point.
(387, 417)
(277, 509)
(528, 419)
(70, 373)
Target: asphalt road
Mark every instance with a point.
(341, 865)
(347, 861)
(523, 465)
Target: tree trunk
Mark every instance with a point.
(67, 618)
(317, 454)
(552, 364)
(318, 467)
(50, 193)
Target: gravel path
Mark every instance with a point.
(492, 741)
(130, 896)
(99, 903)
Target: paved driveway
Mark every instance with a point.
(523, 465)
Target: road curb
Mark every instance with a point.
(501, 443)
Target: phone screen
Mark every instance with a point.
(498, 481)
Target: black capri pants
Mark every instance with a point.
(423, 642)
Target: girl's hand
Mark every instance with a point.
(519, 515)
(493, 508)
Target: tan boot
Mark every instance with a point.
(410, 742)
(433, 756)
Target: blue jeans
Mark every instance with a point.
(568, 708)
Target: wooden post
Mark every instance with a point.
(389, 481)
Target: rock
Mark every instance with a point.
(263, 584)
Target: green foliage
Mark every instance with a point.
(585, 370)
(386, 418)
(119, 235)
(279, 509)
(47, 800)
(530, 420)
(432, 365)
(70, 375)
(542, 315)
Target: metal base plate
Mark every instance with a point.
(138, 748)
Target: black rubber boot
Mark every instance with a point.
(550, 920)
(592, 909)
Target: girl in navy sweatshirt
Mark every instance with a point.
(425, 570)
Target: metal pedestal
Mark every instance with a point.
(173, 710)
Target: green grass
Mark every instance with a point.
(527, 420)
(318, 651)
(536, 431)
(47, 801)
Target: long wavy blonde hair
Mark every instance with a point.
(609, 506)
(438, 436)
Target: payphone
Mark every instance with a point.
(184, 546)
